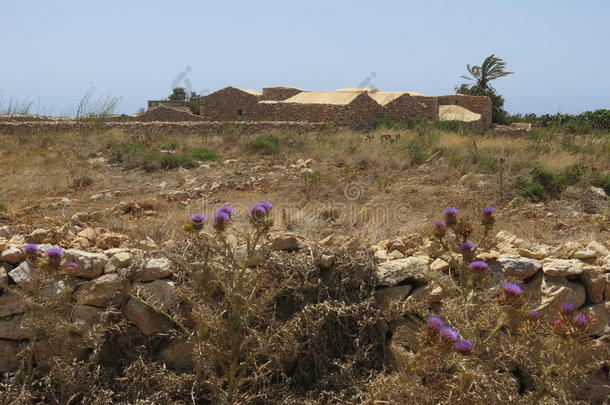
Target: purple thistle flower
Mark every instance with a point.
(463, 346)
(512, 290)
(478, 266)
(466, 246)
(580, 321)
(54, 253)
(488, 215)
(226, 209)
(450, 211)
(533, 315)
(488, 209)
(221, 219)
(567, 309)
(197, 220)
(31, 249)
(449, 334)
(450, 215)
(260, 210)
(434, 323)
(440, 228)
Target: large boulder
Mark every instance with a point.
(12, 255)
(386, 295)
(41, 235)
(11, 304)
(562, 267)
(148, 320)
(155, 269)
(10, 328)
(392, 273)
(518, 267)
(101, 291)
(86, 314)
(178, 356)
(428, 294)
(23, 274)
(158, 293)
(557, 291)
(90, 265)
(283, 241)
(8, 356)
(594, 281)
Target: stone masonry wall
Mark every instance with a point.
(477, 104)
(408, 108)
(279, 93)
(228, 104)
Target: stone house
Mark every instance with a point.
(355, 107)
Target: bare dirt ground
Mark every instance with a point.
(322, 183)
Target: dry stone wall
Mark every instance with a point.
(477, 104)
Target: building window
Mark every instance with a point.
(240, 112)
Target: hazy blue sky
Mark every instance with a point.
(52, 51)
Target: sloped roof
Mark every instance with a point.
(253, 92)
(368, 89)
(324, 97)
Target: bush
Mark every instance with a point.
(3, 207)
(202, 154)
(571, 123)
(135, 156)
(265, 144)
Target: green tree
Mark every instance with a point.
(492, 68)
(179, 94)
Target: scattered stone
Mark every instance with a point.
(3, 277)
(12, 255)
(90, 265)
(241, 252)
(391, 273)
(155, 269)
(598, 248)
(178, 356)
(283, 241)
(11, 304)
(23, 274)
(41, 235)
(398, 293)
(326, 261)
(8, 356)
(381, 256)
(518, 267)
(87, 314)
(6, 232)
(562, 267)
(341, 241)
(109, 240)
(428, 294)
(148, 320)
(395, 255)
(584, 254)
(439, 265)
(10, 328)
(601, 314)
(101, 291)
(118, 261)
(158, 293)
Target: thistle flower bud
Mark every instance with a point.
(197, 221)
(463, 346)
(450, 215)
(440, 229)
(567, 309)
(512, 291)
(478, 266)
(31, 249)
(449, 334)
(221, 219)
(54, 255)
(488, 215)
(434, 323)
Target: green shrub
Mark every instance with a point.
(387, 123)
(134, 156)
(202, 154)
(3, 207)
(172, 145)
(529, 189)
(450, 126)
(486, 163)
(265, 144)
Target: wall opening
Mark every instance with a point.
(240, 112)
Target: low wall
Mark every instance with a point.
(202, 127)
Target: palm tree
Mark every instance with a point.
(491, 69)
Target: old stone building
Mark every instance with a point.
(356, 107)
